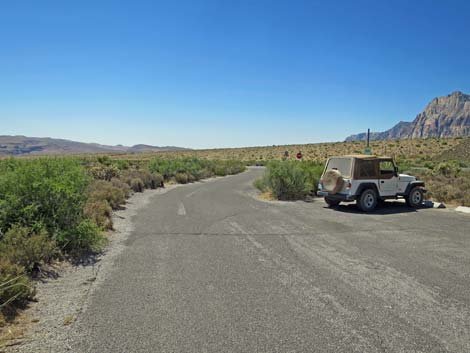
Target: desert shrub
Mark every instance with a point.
(290, 180)
(126, 189)
(100, 212)
(229, 167)
(85, 237)
(105, 160)
(23, 247)
(198, 168)
(103, 172)
(204, 173)
(191, 178)
(404, 165)
(118, 183)
(104, 190)
(137, 185)
(450, 168)
(149, 180)
(157, 180)
(261, 184)
(15, 286)
(181, 178)
(122, 164)
(220, 170)
(42, 193)
(169, 168)
(429, 164)
(448, 188)
(152, 180)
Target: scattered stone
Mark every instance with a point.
(463, 209)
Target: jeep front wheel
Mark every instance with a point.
(368, 200)
(331, 202)
(415, 197)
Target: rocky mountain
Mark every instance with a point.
(22, 145)
(447, 116)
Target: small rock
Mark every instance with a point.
(463, 209)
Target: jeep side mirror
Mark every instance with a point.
(396, 170)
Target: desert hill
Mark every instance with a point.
(22, 145)
(447, 116)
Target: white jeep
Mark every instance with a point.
(367, 180)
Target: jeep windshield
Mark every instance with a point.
(342, 165)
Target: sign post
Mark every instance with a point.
(368, 150)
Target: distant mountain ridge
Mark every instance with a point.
(447, 116)
(23, 145)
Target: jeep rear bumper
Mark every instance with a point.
(338, 197)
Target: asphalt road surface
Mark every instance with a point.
(209, 268)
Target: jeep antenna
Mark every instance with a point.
(368, 137)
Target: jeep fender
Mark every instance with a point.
(365, 186)
(412, 185)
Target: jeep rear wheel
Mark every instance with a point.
(368, 200)
(331, 202)
(415, 197)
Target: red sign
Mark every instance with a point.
(299, 155)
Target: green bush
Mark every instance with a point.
(23, 247)
(85, 237)
(198, 168)
(261, 184)
(290, 180)
(450, 168)
(42, 193)
(220, 170)
(15, 286)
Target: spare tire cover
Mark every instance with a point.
(332, 181)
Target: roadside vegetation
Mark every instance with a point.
(60, 208)
(400, 149)
(448, 182)
(290, 180)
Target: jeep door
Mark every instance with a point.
(388, 179)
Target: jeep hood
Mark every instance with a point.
(406, 177)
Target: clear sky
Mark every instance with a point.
(225, 73)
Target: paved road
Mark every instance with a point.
(211, 269)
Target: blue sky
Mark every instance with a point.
(208, 74)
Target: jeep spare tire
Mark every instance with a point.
(332, 181)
